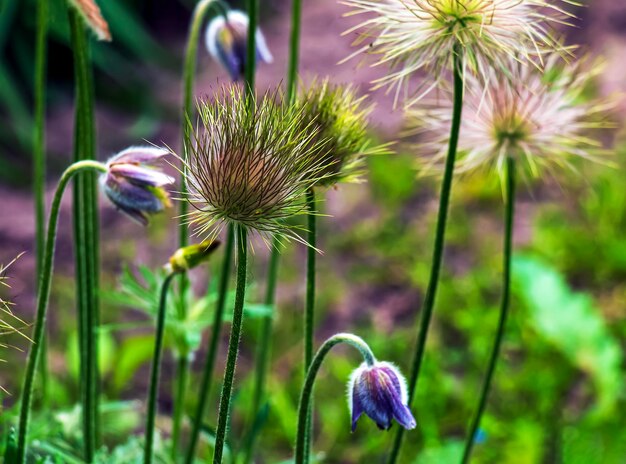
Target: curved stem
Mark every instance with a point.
(263, 351)
(309, 309)
(189, 69)
(205, 386)
(233, 345)
(155, 371)
(504, 309)
(304, 406)
(42, 300)
(444, 201)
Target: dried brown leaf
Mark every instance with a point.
(93, 17)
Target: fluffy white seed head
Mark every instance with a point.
(411, 35)
(541, 119)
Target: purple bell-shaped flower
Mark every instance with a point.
(226, 41)
(135, 187)
(380, 392)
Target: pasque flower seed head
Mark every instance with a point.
(250, 163)
(413, 35)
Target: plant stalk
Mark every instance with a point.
(250, 68)
(309, 308)
(294, 49)
(233, 345)
(148, 456)
(442, 217)
(504, 309)
(85, 218)
(218, 318)
(39, 161)
(43, 296)
(304, 406)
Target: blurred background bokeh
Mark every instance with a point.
(559, 393)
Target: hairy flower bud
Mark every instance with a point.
(135, 187)
(226, 41)
(380, 392)
(191, 256)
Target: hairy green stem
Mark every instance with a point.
(504, 309)
(233, 345)
(148, 456)
(218, 319)
(85, 218)
(309, 308)
(304, 406)
(263, 351)
(444, 202)
(253, 21)
(200, 12)
(294, 49)
(39, 160)
(43, 296)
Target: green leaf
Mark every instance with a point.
(572, 323)
(450, 451)
(132, 354)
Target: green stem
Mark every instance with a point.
(218, 317)
(39, 160)
(444, 202)
(304, 406)
(309, 308)
(504, 309)
(250, 68)
(294, 48)
(155, 371)
(264, 349)
(233, 345)
(189, 69)
(43, 297)
(85, 216)
(180, 393)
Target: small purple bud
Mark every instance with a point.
(226, 42)
(133, 186)
(379, 391)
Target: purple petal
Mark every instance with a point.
(393, 377)
(402, 414)
(141, 176)
(357, 408)
(128, 196)
(139, 155)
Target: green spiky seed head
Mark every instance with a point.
(339, 118)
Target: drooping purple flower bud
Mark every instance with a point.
(135, 187)
(379, 391)
(226, 42)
